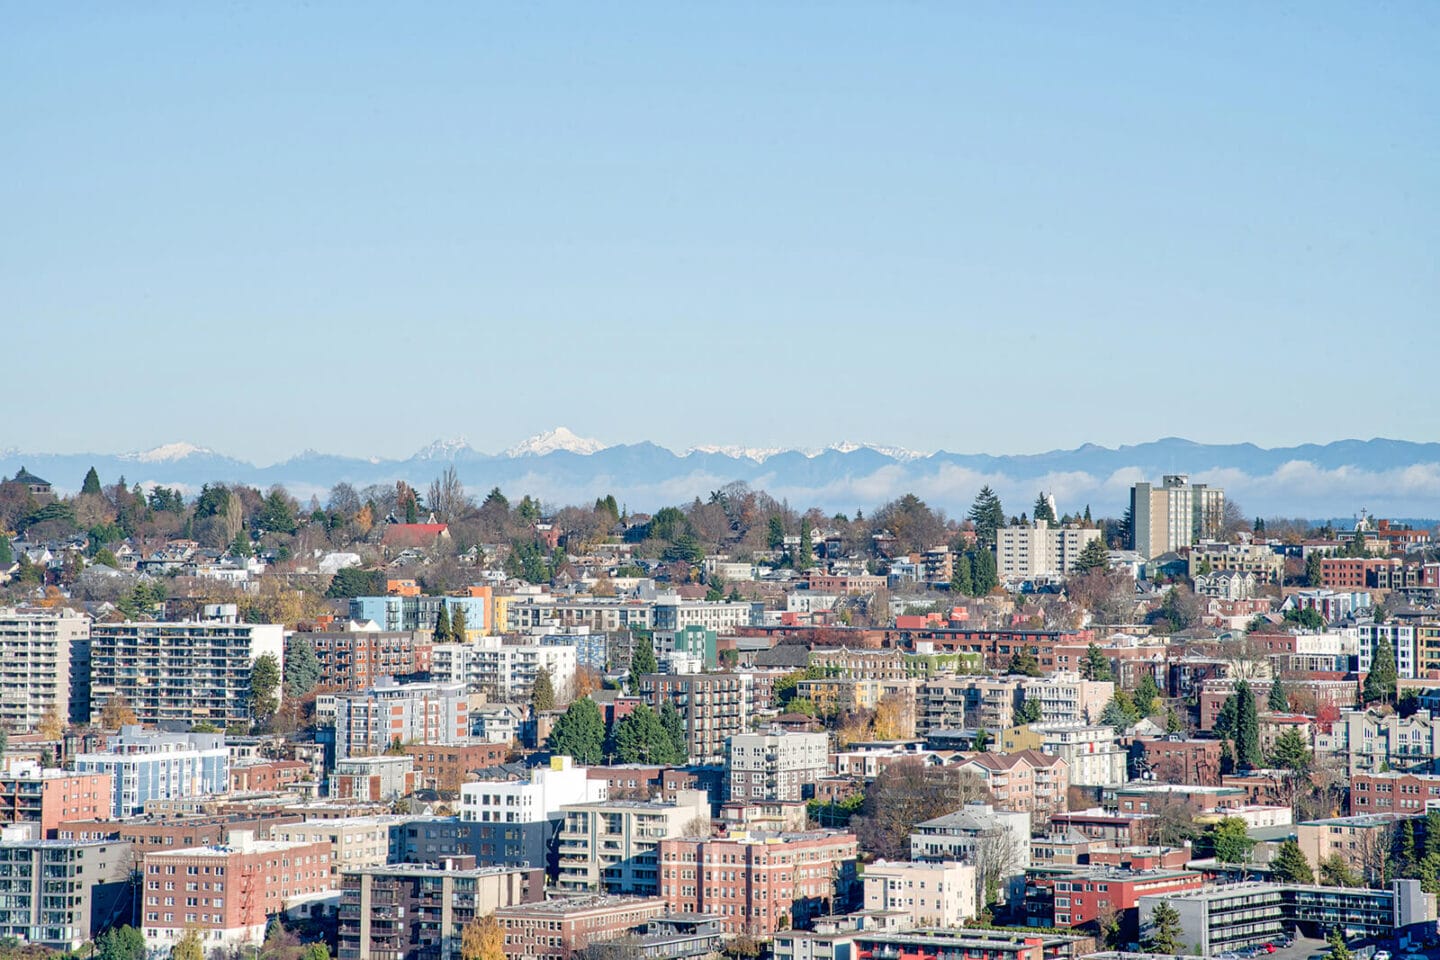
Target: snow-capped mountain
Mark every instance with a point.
(168, 453)
(553, 441)
(1391, 477)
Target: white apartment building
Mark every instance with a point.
(1037, 550)
(520, 817)
(673, 613)
(1067, 698)
(1090, 750)
(185, 671)
(613, 846)
(932, 894)
(505, 671)
(370, 722)
(44, 656)
(146, 765)
(1403, 639)
(775, 766)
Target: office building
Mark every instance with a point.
(186, 672)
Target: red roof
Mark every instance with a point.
(414, 534)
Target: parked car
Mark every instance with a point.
(1381, 955)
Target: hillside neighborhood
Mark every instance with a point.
(406, 723)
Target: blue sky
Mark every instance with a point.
(265, 227)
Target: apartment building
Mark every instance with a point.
(959, 836)
(515, 817)
(1029, 780)
(371, 721)
(1090, 750)
(1038, 550)
(612, 846)
(715, 707)
(1220, 556)
(1394, 792)
(1085, 894)
(228, 892)
(1372, 741)
(888, 943)
(598, 615)
(720, 616)
(1403, 639)
(399, 614)
(505, 671)
(758, 883)
(148, 766)
(1357, 573)
(420, 910)
(356, 660)
(965, 703)
(378, 778)
(44, 656)
(449, 766)
(48, 798)
(94, 875)
(562, 928)
(775, 766)
(1065, 697)
(184, 671)
(1228, 918)
(354, 841)
(1173, 515)
(930, 894)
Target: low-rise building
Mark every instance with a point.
(48, 798)
(775, 766)
(932, 894)
(146, 766)
(354, 841)
(449, 766)
(374, 778)
(561, 928)
(93, 875)
(612, 846)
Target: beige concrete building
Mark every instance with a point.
(40, 651)
(356, 841)
(1037, 549)
(933, 894)
(613, 846)
(1173, 515)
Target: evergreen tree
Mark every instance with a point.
(642, 661)
(579, 734)
(1088, 521)
(805, 559)
(542, 692)
(983, 572)
(7, 555)
(1225, 721)
(1095, 666)
(1336, 941)
(442, 624)
(674, 725)
(1289, 864)
(987, 515)
(91, 484)
(1029, 711)
(1404, 848)
(981, 744)
(302, 667)
(1024, 662)
(1093, 556)
(1380, 681)
(1278, 702)
(642, 738)
(1231, 840)
(1165, 930)
(1116, 716)
(457, 624)
(264, 687)
(1247, 728)
(1173, 723)
(775, 533)
(1147, 695)
(962, 579)
(1291, 752)
(1313, 577)
(1042, 509)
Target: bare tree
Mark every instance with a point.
(908, 792)
(995, 858)
(446, 498)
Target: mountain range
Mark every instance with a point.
(1386, 477)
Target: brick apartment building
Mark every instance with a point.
(1394, 792)
(1180, 761)
(355, 661)
(51, 797)
(266, 776)
(446, 766)
(557, 929)
(228, 892)
(760, 883)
